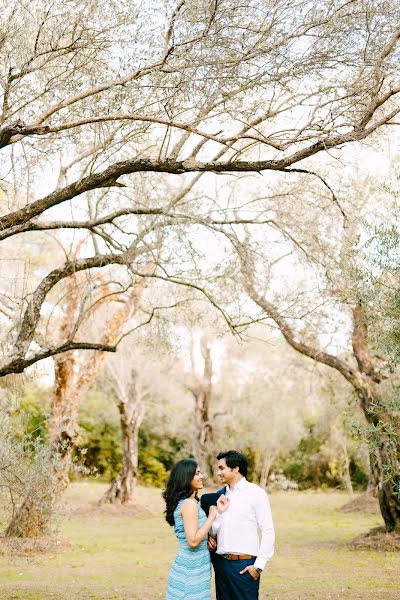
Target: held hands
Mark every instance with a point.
(252, 571)
(222, 503)
(212, 543)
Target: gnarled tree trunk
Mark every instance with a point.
(203, 439)
(63, 426)
(28, 521)
(131, 411)
(346, 470)
(267, 461)
(74, 378)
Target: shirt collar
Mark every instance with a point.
(241, 484)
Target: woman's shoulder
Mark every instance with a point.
(188, 504)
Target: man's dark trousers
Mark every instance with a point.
(230, 584)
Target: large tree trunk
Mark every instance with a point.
(74, 378)
(28, 521)
(389, 502)
(384, 450)
(388, 490)
(131, 411)
(63, 427)
(265, 469)
(346, 470)
(203, 439)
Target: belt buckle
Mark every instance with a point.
(228, 556)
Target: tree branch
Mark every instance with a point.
(109, 177)
(18, 365)
(21, 129)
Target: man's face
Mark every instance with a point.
(225, 473)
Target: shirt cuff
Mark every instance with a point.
(260, 563)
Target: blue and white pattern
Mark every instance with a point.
(190, 576)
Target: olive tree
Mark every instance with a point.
(101, 100)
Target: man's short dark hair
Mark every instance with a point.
(233, 459)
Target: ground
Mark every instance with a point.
(110, 554)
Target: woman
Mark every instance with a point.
(190, 576)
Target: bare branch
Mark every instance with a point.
(18, 365)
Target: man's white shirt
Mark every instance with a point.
(246, 527)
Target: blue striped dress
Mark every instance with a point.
(190, 576)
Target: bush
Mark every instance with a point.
(152, 471)
(157, 455)
(100, 437)
(311, 465)
(359, 477)
(27, 483)
(31, 415)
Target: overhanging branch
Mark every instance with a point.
(18, 365)
(109, 177)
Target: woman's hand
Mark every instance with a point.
(222, 503)
(212, 513)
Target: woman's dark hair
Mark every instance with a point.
(233, 459)
(178, 486)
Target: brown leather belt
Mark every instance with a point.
(237, 556)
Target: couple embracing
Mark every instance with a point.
(231, 528)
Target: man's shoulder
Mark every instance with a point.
(212, 497)
(255, 489)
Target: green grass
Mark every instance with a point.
(126, 555)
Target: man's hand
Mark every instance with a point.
(212, 543)
(252, 570)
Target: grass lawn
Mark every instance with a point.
(126, 554)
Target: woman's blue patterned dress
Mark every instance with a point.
(190, 576)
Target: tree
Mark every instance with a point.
(75, 375)
(202, 389)
(328, 322)
(376, 276)
(271, 396)
(124, 378)
(198, 88)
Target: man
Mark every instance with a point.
(245, 531)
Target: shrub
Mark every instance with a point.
(312, 465)
(31, 413)
(157, 455)
(100, 437)
(27, 483)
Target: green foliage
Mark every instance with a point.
(152, 470)
(100, 436)
(358, 476)
(312, 466)
(157, 454)
(100, 448)
(32, 412)
(377, 275)
(252, 459)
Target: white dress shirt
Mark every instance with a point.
(246, 527)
